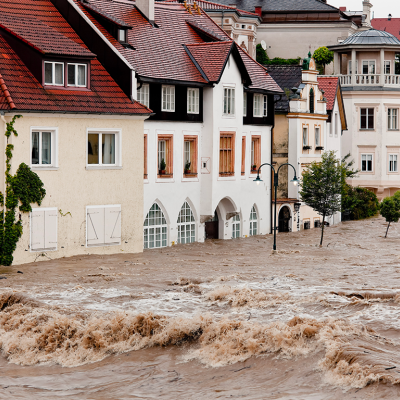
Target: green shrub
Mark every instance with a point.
(361, 202)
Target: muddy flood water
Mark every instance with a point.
(214, 320)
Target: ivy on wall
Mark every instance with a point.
(22, 189)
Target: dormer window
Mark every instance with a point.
(77, 75)
(122, 35)
(54, 73)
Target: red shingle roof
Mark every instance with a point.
(330, 86)
(20, 89)
(383, 24)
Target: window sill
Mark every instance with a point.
(393, 130)
(190, 175)
(43, 168)
(171, 111)
(232, 116)
(165, 176)
(103, 245)
(368, 130)
(95, 167)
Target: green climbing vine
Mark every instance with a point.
(22, 189)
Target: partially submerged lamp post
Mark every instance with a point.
(258, 180)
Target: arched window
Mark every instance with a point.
(155, 228)
(253, 221)
(186, 225)
(236, 226)
(312, 101)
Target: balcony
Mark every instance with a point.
(389, 81)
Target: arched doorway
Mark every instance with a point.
(284, 219)
(212, 228)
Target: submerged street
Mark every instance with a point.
(221, 319)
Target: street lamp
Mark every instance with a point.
(295, 181)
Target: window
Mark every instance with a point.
(145, 157)
(54, 73)
(103, 225)
(392, 119)
(366, 162)
(350, 68)
(244, 104)
(168, 98)
(312, 101)
(43, 222)
(122, 35)
(368, 67)
(155, 228)
(190, 155)
(392, 162)
(77, 75)
(317, 137)
(367, 118)
(253, 221)
(243, 169)
(143, 95)
(236, 226)
(260, 104)
(305, 136)
(193, 96)
(43, 148)
(186, 225)
(387, 67)
(227, 154)
(102, 149)
(229, 101)
(255, 153)
(165, 156)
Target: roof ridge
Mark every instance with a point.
(210, 43)
(6, 92)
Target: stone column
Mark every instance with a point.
(336, 63)
(382, 71)
(353, 67)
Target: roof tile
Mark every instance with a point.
(330, 86)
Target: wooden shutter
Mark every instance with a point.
(226, 155)
(112, 224)
(95, 225)
(37, 230)
(50, 229)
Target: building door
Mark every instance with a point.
(212, 227)
(284, 219)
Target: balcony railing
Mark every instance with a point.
(369, 80)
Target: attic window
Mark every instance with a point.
(77, 75)
(65, 75)
(122, 35)
(54, 73)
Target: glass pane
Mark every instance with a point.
(35, 147)
(46, 147)
(81, 75)
(71, 74)
(59, 72)
(93, 148)
(108, 148)
(48, 73)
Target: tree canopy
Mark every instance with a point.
(323, 56)
(390, 210)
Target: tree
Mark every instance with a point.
(261, 55)
(359, 201)
(321, 186)
(390, 210)
(323, 56)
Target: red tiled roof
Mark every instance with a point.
(20, 88)
(211, 57)
(330, 86)
(383, 24)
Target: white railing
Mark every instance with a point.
(392, 80)
(368, 80)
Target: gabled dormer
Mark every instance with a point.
(55, 60)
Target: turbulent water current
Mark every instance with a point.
(214, 320)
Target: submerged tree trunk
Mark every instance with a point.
(387, 229)
(322, 231)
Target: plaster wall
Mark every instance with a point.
(72, 186)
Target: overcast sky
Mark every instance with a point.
(381, 8)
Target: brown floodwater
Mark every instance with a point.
(214, 320)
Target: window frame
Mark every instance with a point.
(124, 40)
(54, 147)
(305, 128)
(244, 104)
(169, 150)
(236, 222)
(196, 92)
(191, 224)
(229, 159)
(366, 166)
(253, 222)
(118, 148)
(170, 106)
(53, 63)
(262, 109)
(76, 75)
(228, 101)
(145, 175)
(317, 129)
(385, 64)
(255, 151)
(391, 117)
(369, 64)
(395, 171)
(367, 116)
(243, 165)
(193, 150)
(143, 96)
(160, 226)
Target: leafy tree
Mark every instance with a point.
(323, 56)
(390, 210)
(322, 185)
(359, 201)
(261, 55)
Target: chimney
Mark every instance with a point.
(343, 9)
(258, 11)
(389, 17)
(367, 12)
(146, 7)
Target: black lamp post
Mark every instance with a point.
(258, 180)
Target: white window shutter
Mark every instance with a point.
(112, 224)
(95, 225)
(50, 229)
(37, 230)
